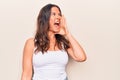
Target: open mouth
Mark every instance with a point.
(57, 23)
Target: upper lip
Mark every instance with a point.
(57, 22)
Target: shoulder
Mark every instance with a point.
(29, 43)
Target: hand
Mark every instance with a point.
(63, 25)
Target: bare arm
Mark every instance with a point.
(27, 60)
(75, 51)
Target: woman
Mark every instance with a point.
(45, 56)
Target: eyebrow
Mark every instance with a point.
(54, 12)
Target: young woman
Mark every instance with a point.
(45, 56)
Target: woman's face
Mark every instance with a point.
(54, 22)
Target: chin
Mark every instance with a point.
(56, 31)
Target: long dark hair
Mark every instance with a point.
(41, 40)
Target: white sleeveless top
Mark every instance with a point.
(50, 65)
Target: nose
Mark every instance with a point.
(58, 16)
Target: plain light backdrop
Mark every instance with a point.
(94, 23)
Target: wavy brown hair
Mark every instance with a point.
(41, 40)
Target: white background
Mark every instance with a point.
(94, 23)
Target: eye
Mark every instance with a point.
(53, 14)
(59, 14)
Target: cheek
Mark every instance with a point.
(50, 25)
(51, 22)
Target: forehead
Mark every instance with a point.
(55, 9)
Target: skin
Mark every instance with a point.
(75, 51)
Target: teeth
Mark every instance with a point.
(56, 23)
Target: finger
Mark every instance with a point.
(63, 21)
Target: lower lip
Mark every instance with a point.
(57, 26)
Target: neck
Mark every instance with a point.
(52, 40)
(51, 35)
